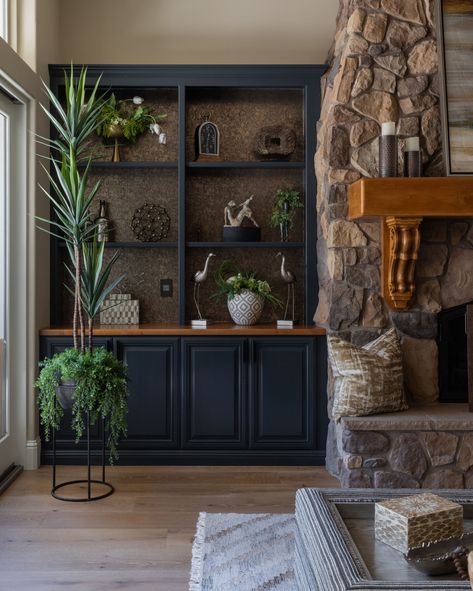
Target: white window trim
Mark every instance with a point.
(22, 258)
(9, 10)
(12, 23)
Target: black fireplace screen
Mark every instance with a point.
(453, 355)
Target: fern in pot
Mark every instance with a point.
(83, 378)
(244, 292)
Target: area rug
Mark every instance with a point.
(243, 552)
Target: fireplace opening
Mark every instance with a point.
(453, 354)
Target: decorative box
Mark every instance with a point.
(408, 522)
(120, 309)
(119, 296)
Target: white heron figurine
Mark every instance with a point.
(289, 279)
(198, 278)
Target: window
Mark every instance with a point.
(4, 19)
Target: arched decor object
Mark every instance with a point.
(208, 141)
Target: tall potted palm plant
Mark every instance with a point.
(89, 380)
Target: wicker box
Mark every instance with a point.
(120, 310)
(120, 296)
(408, 522)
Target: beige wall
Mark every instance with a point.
(47, 35)
(196, 31)
(35, 35)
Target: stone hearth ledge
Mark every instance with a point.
(426, 417)
(427, 446)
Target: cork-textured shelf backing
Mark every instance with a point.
(144, 269)
(239, 113)
(209, 191)
(126, 190)
(147, 146)
(265, 264)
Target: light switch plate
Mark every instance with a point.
(166, 288)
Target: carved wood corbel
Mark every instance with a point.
(401, 249)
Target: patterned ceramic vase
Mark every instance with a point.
(246, 307)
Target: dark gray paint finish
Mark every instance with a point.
(306, 77)
(215, 400)
(152, 412)
(213, 393)
(282, 393)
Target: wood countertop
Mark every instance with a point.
(217, 329)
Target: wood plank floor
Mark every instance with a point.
(138, 539)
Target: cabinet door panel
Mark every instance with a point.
(64, 436)
(152, 366)
(282, 393)
(214, 393)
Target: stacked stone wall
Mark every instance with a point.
(384, 67)
(402, 459)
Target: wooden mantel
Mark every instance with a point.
(402, 203)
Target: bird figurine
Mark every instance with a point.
(198, 278)
(289, 279)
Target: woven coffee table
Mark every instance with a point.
(336, 549)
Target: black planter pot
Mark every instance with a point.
(65, 394)
(241, 234)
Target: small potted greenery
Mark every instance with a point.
(244, 292)
(285, 204)
(128, 118)
(89, 380)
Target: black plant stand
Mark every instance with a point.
(89, 481)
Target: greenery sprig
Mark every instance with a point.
(285, 204)
(101, 390)
(130, 115)
(231, 282)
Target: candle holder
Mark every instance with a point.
(388, 150)
(412, 158)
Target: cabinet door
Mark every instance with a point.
(213, 393)
(64, 436)
(152, 371)
(282, 393)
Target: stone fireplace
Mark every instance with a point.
(383, 66)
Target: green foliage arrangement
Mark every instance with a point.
(231, 282)
(101, 390)
(130, 117)
(99, 379)
(285, 204)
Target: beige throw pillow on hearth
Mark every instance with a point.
(369, 379)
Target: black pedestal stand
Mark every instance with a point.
(89, 480)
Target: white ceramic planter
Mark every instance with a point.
(246, 307)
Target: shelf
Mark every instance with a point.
(194, 190)
(135, 244)
(256, 165)
(128, 165)
(405, 197)
(222, 244)
(215, 329)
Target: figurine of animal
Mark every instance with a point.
(198, 278)
(289, 279)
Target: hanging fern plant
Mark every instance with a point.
(100, 389)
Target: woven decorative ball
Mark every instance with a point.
(150, 223)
